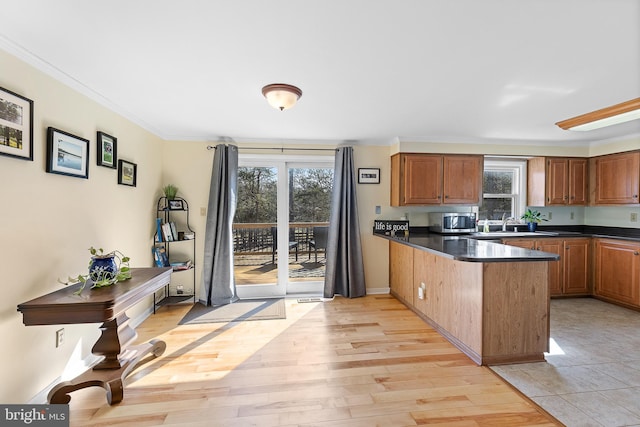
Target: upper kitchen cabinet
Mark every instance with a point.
(434, 179)
(557, 181)
(616, 179)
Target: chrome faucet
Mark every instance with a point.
(505, 221)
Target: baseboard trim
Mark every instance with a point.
(378, 291)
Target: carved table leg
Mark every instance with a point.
(116, 334)
(111, 379)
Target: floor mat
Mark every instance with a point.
(262, 309)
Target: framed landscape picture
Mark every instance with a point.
(107, 150)
(67, 154)
(127, 172)
(16, 125)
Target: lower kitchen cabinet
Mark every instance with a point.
(570, 275)
(618, 271)
(401, 271)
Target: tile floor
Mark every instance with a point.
(592, 373)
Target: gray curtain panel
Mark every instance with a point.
(218, 284)
(345, 269)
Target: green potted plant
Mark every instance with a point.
(532, 217)
(105, 269)
(170, 191)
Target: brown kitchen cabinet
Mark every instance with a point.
(401, 271)
(570, 275)
(557, 181)
(616, 180)
(435, 179)
(617, 272)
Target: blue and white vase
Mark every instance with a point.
(103, 267)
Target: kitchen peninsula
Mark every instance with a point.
(489, 300)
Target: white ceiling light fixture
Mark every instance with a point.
(281, 95)
(616, 114)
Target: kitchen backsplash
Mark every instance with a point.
(610, 216)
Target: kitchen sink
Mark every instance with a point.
(494, 234)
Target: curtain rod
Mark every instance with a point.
(282, 149)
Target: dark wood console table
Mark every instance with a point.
(106, 305)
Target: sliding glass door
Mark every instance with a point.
(280, 225)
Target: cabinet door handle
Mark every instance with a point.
(446, 197)
(636, 253)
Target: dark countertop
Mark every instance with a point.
(467, 249)
(621, 233)
(486, 248)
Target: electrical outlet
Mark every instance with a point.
(572, 215)
(634, 217)
(378, 210)
(550, 215)
(421, 290)
(59, 337)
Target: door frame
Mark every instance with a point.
(282, 163)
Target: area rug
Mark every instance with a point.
(243, 310)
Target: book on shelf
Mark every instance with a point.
(174, 230)
(181, 265)
(158, 229)
(160, 257)
(166, 232)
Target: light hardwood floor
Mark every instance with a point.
(348, 362)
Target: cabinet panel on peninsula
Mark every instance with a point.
(495, 312)
(569, 276)
(435, 179)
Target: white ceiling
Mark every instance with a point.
(376, 71)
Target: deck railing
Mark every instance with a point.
(257, 239)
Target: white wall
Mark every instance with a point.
(47, 223)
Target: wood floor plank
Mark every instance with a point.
(347, 362)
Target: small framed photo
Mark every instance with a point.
(368, 175)
(107, 150)
(176, 205)
(67, 154)
(127, 173)
(16, 125)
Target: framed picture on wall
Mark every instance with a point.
(368, 175)
(67, 154)
(127, 173)
(107, 150)
(16, 125)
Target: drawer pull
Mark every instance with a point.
(636, 253)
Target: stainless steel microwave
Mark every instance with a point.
(453, 223)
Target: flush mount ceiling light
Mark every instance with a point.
(281, 96)
(613, 115)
